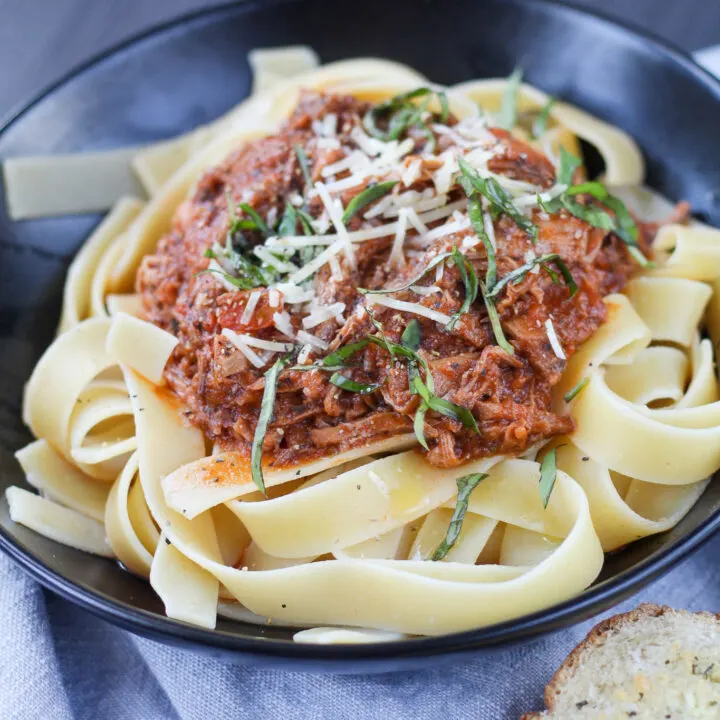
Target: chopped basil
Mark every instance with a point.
(419, 424)
(540, 124)
(500, 201)
(344, 353)
(544, 261)
(288, 223)
(257, 222)
(346, 383)
(402, 114)
(470, 281)
(465, 484)
(267, 406)
(445, 407)
(548, 475)
(576, 390)
(412, 335)
(507, 117)
(248, 275)
(622, 224)
(495, 323)
(239, 283)
(430, 266)
(302, 159)
(366, 197)
(569, 163)
(475, 213)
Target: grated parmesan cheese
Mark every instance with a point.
(275, 262)
(321, 314)
(312, 340)
(281, 321)
(554, 341)
(414, 308)
(259, 343)
(304, 354)
(273, 298)
(412, 172)
(335, 212)
(250, 307)
(252, 356)
(396, 254)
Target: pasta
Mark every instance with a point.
(365, 538)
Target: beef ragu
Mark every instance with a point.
(492, 359)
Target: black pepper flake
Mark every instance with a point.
(141, 409)
(359, 487)
(215, 479)
(298, 472)
(641, 696)
(632, 713)
(585, 459)
(219, 460)
(580, 705)
(283, 605)
(167, 542)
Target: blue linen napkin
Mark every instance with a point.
(58, 662)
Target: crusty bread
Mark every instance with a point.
(651, 663)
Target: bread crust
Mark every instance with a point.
(597, 637)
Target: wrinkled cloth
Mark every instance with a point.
(58, 662)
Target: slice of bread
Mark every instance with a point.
(652, 663)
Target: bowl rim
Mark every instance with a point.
(150, 624)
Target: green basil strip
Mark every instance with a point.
(465, 484)
(500, 201)
(323, 368)
(239, 283)
(475, 213)
(365, 198)
(430, 266)
(507, 117)
(444, 106)
(288, 224)
(540, 124)
(548, 475)
(492, 312)
(258, 222)
(569, 163)
(419, 424)
(576, 390)
(302, 159)
(470, 281)
(346, 383)
(267, 406)
(306, 221)
(412, 335)
(445, 407)
(519, 273)
(344, 353)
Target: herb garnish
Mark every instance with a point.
(500, 201)
(249, 275)
(440, 258)
(548, 475)
(466, 484)
(507, 117)
(302, 159)
(540, 124)
(475, 213)
(576, 390)
(470, 281)
(495, 323)
(346, 383)
(569, 163)
(402, 114)
(369, 195)
(543, 261)
(267, 407)
(622, 224)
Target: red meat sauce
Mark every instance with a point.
(509, 395)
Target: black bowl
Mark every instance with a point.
(191, 71)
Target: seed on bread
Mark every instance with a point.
(653, 663)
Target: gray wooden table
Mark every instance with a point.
(40, 40)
